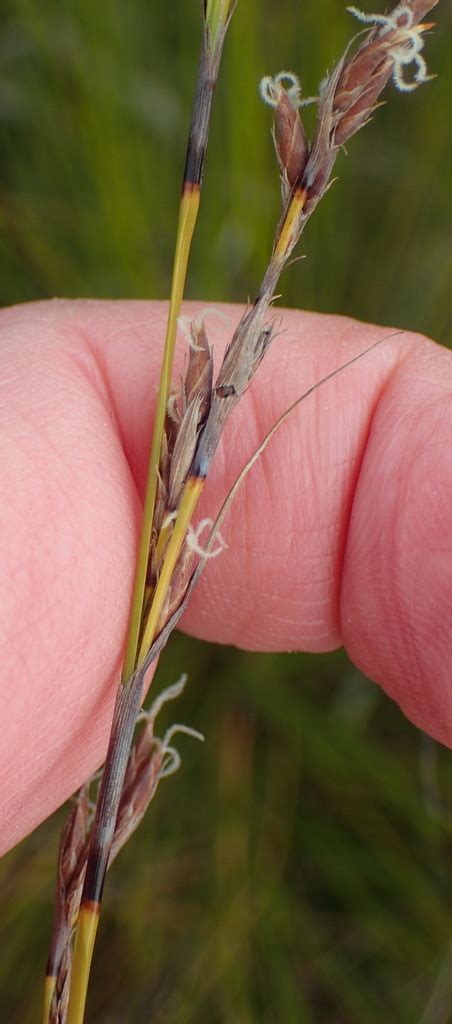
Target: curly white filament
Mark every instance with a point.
(191, 326)
(193, 540)
(269, 88)
(408, 43)
(388, 22)
(170, 693)
(173, 761)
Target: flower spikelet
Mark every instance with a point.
(351, 94)
(283, 93)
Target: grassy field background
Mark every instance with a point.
(298, 868)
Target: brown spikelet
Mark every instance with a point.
(291, 145)
(142, 778)
(348, 98)
(290, 139)
(351, 93)
(364, 76)
(188, 410)
(72, 857)
(198, 378)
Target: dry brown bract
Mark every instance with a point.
(151, 759)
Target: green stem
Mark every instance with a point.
(187, 219)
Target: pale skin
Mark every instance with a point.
(342, 533)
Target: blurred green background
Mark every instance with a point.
(298, 868)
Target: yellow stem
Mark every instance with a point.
(286, 235)
(190, 497)
(88, 920)
(49, 989)
(188, 212)
(162, 541)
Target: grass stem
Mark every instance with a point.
(294, 210)
(88, 920)
(49, 989)
(188, 212)
(129, 697)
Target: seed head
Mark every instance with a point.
(351, 93)
(405, 42)
(289, 136)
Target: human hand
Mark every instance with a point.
(341, 534)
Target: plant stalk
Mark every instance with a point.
(217, 16)
(129, 697)
(188, 213)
